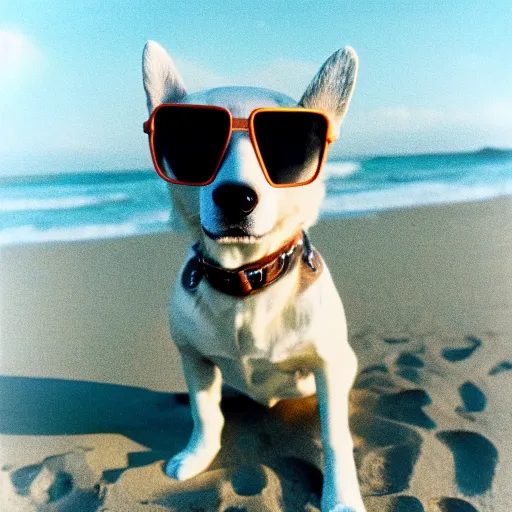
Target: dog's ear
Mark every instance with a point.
(332, 87)
(162, 81)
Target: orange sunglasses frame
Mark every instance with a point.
(237, 124)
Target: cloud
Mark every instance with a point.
(498, 113)
(399, 119)
(494, 113)
(402, 129)
(18, 57)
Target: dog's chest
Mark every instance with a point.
(255, 330)
(264, 345)
(267, 359)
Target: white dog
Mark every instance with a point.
(286, 337)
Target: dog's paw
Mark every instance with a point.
(189, 463)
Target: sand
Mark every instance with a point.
(87, 416)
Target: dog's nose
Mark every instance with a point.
(235, 201)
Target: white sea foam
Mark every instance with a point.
(30, 234)
(411, 195)
(338, 169)
(60, 203)
(152, 217)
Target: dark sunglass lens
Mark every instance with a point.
(291, 144)
(189, 142)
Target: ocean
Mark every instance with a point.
(96, 205)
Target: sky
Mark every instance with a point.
(434, 76)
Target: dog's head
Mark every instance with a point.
(240, 217)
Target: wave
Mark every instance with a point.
(339, 169)
(411, 195)
(83, 207)
(30, 234)
(157, 221)
(151, 217)
(64, 203)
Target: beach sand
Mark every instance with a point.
(87, 417)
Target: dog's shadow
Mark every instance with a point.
(270, 458)
(276, 449)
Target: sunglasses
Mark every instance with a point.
(189, 142)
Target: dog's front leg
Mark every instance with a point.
(204, 386)
(341, 486)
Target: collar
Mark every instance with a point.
(254, 277)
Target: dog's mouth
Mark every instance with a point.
(232, 236)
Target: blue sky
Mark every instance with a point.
(434, 76)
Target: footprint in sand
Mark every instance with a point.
(395, 504)
(390, 445)
(41, 484)
(375, 377)
(504, 366)
(408, 359)
(391, 452)
(60, 482)
(473, 398)
(406, 407)
(475, 459)
(395, 341)
(405, 504)
(408, 366)
(22, 478)
(451, 505)
(454, 355)
(249, 481)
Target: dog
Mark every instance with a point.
(268, 338)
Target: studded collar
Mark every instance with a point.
(254, 277)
